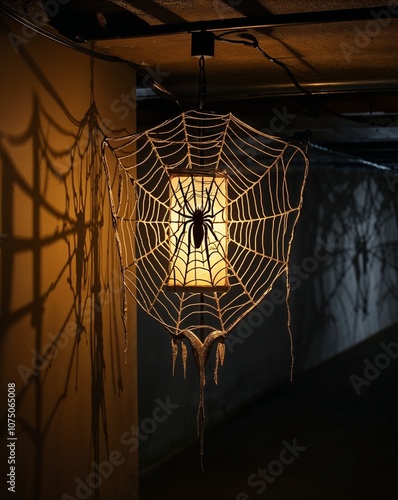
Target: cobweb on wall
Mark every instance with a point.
(240, 244)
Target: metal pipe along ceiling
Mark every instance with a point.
(267, 21)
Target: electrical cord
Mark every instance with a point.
(246, 39)
(251, 41)
(368, 121)
(152, 83)
(352, 157)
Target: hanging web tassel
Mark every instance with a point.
(174, 350)
(201, 411)
(289, 327)
(184, 354)
(220, 354)
(201, 353)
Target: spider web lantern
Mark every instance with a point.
(204, 214)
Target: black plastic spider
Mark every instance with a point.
(199, 219)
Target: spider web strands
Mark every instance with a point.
(184, 125)
(251, 250)
(253, 148)
(257, 133)
(184, 355)
(222, 144)
(288, 256)
(168, 232)
(249, 279)
(235, 312)
(196, 274)
(261, 219)
(110, 182)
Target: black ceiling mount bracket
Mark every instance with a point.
(202, 44)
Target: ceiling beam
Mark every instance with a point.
(267, 21)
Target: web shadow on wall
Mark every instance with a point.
(73, 227)
(353, 216)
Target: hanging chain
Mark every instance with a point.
(202, 82)
(202, 98)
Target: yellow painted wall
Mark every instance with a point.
(61, 340)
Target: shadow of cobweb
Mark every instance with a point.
(349, 292)
(70, 265)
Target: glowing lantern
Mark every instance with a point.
(198, 231)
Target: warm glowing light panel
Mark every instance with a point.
(198, 232)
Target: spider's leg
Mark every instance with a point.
(212, 215)
(208, 203)
(206, 227)
(184, 215)
(190, 231)
(184, 197)
(211, 202)
(215, 215)
(208, 224)
(176, 197)
(188, 252)
(179, 241)
(194, 193)
(186, 202)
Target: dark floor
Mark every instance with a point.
(350, 440)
